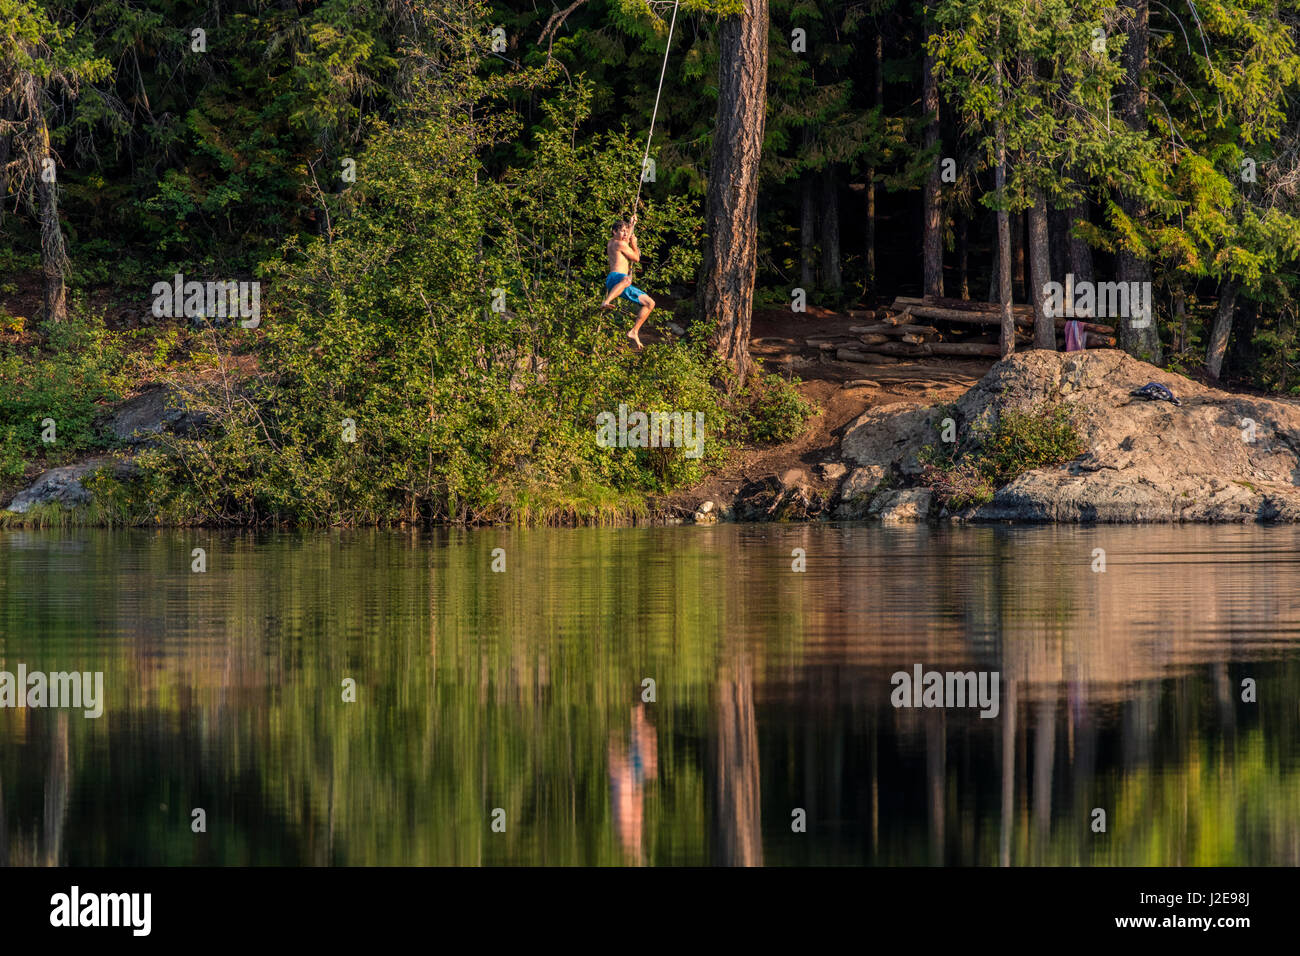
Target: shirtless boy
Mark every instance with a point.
(623, 251)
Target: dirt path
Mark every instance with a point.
(841, 390)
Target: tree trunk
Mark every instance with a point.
(1137, 334)
(6, 145)
(963, 256)
(1007, 338)
(1040, 268)
(731, 206)
(1058, 225)
(932, 243)
(807, 234)
(1180, 318)
(1016, 223)
(1222, 328)
(54, 256)
(871, 172)
(1080, 251)
(995, 266)
(831, 277)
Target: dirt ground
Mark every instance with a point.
(841, 391)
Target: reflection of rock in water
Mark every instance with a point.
(737, 837)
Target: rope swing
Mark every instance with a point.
(640, 179)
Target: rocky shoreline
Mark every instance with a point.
(1218, 457)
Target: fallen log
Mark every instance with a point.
(865, 358)
(873, 339)
(981, 313)
(912, 338)
(960, 316)
(926, 312)
(1087, 326)
(1090, 340)
(965, 348)
(961, 305)
(904, 349)
(887, 328)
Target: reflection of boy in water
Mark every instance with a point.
(628, 770)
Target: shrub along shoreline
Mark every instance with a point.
(229, 451)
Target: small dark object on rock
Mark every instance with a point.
(1155, 392)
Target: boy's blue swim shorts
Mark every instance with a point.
(631, 293)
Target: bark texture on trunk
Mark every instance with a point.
(871, 172)
(1040, 269)
(6, 146)
(807, 234)
(995, 267)
(932, 242)
(1016, 223)
(1080, 252)
(1137, 334)
(726, 294)
(54, 255)
(963, 257)
(1007, 337)
(1218, 347)
(831, 276)
(1058, 225)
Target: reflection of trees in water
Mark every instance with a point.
(56, 794)
(511, 705)
(733, 759)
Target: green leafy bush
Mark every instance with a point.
(772, 410)
(451, 317)
(1016, 441)
(72, 370)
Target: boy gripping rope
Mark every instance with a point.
(622, 250)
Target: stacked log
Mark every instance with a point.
(981, 313)
(907, 332)
(866, 358)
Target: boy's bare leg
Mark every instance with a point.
(615, 292)
(647, 306)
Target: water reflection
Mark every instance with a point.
(631, 764)
(1121, 691)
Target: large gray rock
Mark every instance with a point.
(147, 415)
(857, 490)
(64, 485)
(1219, 457)
(891, 437)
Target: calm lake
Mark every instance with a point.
(499, 715)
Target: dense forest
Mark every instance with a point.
(422, 190)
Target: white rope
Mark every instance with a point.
(640, 179)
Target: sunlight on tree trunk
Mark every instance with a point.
(1040, 272)
(1218, 347)
(731, 257)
